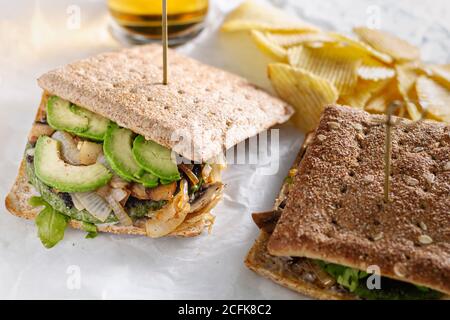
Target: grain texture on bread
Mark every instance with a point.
(215, 109)
(335, 211)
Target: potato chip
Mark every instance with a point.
(362, 48)
(406, 80)
(335, 65)
(387, 43)
(441, 73)
(372, 69)
(380, 101)
(294, 39)
(306, 92)
(269, 47)
(256, 15)
(362, 92)
(434, 99)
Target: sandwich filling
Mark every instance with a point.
(88, 168)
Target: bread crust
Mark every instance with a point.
(336, 213)
(209, 109)
(286, 273)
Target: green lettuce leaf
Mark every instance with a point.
(50, 223)
(354, 280)
(91, 230)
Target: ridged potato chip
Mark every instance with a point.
(336, 65)
(269, 47)
(372, 69)
(362, 93)
(387, 43)
(259, 16)
(379, 102)
(307, 93)
(293, 39)
(441, 73)
(434, 99)
(406, 81)
(363, 49)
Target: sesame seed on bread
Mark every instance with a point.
(335, 209)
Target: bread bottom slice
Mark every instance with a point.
(291, 273)
(17, 202)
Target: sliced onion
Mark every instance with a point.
(118, 183)
(69, 150)
(189, 173)
(119, 211)
(94, 204)
(325, 279)
(119, 194)
(101, 159)
(206, 171)
(171, 216)
(77, 204)
(216, 173)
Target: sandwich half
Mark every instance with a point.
(114, 150)
(330, 231)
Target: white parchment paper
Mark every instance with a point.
(36, 36)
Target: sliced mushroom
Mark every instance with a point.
(39, 129)
(139, 191)
(189, 173)
(267, 220)
(162, 192)
(207, 194)
(89, 152)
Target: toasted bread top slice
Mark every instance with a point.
(335, 210)
(200, 113)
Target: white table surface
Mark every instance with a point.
(36, 36)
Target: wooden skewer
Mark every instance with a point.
(388, 148)
(164, 40)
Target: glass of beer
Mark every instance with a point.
(139, 21)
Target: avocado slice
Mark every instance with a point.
(61, 202)
(97, 124)
(117, 149)
(62, 115)
(156, 159)
(53, 171)
(149, 180)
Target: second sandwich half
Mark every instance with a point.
(114, 150)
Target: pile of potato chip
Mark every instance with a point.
(314, 68)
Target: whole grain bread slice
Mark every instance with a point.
(335, 211)
(200, 113)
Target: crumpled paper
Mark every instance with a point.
(39, 38)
